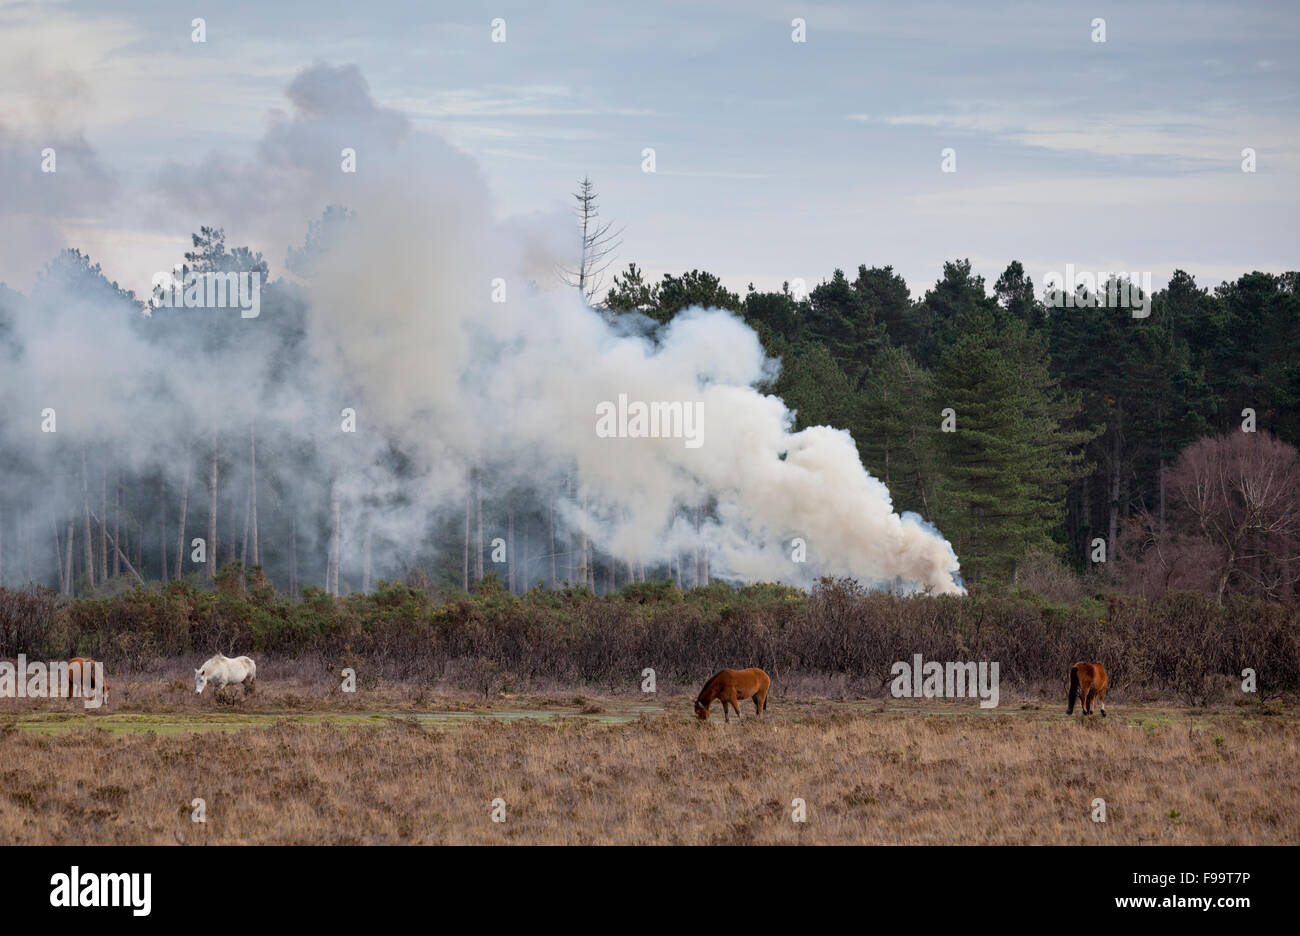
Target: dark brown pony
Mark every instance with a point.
(81, 672)
(1088, 684)
(733, 686)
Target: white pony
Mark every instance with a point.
(222, 671)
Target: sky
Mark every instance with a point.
(774, 159)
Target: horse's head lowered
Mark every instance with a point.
(701, 710)
(200, 680)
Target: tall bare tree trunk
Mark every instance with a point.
(702, 547)
(72, 583)
(252, 455)
(553, 556)
(478, 507)
(103, 532)
(58, 555)
(185, 507)
(510, 550)
(1225, 576)
(695, 563)
(570, 552)
(85, 501)
(117, 524)
(212, 513)
(464, 572)
(585, 572)
(243, 550)
(525, 556)
(336, 540)
(117, 548)
(162, 529)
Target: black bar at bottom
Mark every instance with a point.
(352, 884)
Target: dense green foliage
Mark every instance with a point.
(1063, 419)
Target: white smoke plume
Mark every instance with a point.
(395, 296)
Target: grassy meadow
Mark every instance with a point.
(401, 765)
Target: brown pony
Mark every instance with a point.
(732, 686)
(1088, 684)
(81, 672)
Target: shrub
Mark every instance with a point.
(1180, 643)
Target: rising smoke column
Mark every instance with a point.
(518, 382)
(402, 326)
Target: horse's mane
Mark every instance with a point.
(713, 680)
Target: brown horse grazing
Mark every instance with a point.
(1088, 684)
(81, 672)
(732, 686)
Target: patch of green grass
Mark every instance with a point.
(54, 723)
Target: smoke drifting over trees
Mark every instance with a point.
(416, 391)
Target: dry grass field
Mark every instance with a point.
(420, 770)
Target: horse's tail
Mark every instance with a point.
(1074, 688)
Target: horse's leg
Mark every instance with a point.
(758, 706)
(1102, 702)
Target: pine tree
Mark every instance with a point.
(1007, 464)
(895, 429)
(839, 318)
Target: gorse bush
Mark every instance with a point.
(1181, 643)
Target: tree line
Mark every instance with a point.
(1017, 429)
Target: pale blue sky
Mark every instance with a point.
(775, 159)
